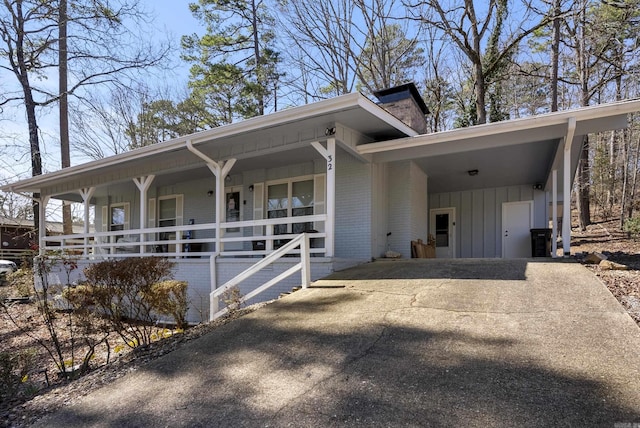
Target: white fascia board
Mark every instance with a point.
(294, 114)
(527, 123)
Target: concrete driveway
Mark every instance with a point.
(473, 343)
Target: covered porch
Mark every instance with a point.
(218, 201)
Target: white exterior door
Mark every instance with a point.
(443, 227)
(233, 212)
(517, 221)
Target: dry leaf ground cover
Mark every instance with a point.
(36, 398)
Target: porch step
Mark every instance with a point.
(286, 293)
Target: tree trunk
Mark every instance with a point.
(625, 176)
(634, 181)
(583, 197)
(260, 77)
(30, 107)
(555, 56)
(67, 221)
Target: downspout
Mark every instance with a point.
(566, 188)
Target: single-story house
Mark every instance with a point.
(360, 177)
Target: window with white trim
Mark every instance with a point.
(117, 219)
(170, 210)
(291, 198)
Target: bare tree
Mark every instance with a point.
(385, 55)
(481, 35)
(323, 33)
(101, 49)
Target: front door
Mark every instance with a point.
(517, 221)
(233, 212)
(443, 227)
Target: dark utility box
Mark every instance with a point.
(540, 242)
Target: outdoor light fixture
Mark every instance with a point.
(227, 178)
(251, 188)
(330, 131)
(472, 172)
(210, 193)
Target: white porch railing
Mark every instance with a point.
(303, 266)
(241, 238)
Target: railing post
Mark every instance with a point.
(305, 261)
(269, 242)
(214, 301)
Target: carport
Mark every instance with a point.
(541, 152)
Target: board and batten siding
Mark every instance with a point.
(479, 216)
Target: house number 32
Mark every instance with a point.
(329, 163)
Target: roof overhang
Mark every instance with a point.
(279, 135)
(513, 152)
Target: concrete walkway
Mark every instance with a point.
(464, 343)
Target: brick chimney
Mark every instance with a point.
(406, 104)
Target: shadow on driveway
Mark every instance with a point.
(364, 356)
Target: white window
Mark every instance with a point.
(115, 217)
(169, 215)
(292, 198)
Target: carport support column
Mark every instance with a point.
(330, 156)
(86, 194)
(554, 213)
(143, 184)
(566, 188)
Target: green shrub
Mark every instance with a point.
(632, 226)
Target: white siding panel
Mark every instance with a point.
(479, 216)
(419, 204)
(353, 207)
(477, 225)
(489, 223)
(466, 225)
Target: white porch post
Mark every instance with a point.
(42, 230)
(220, 170)
(86, 194)
(330, 155)
(554, 213)
(566, 188)
(143, 183)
